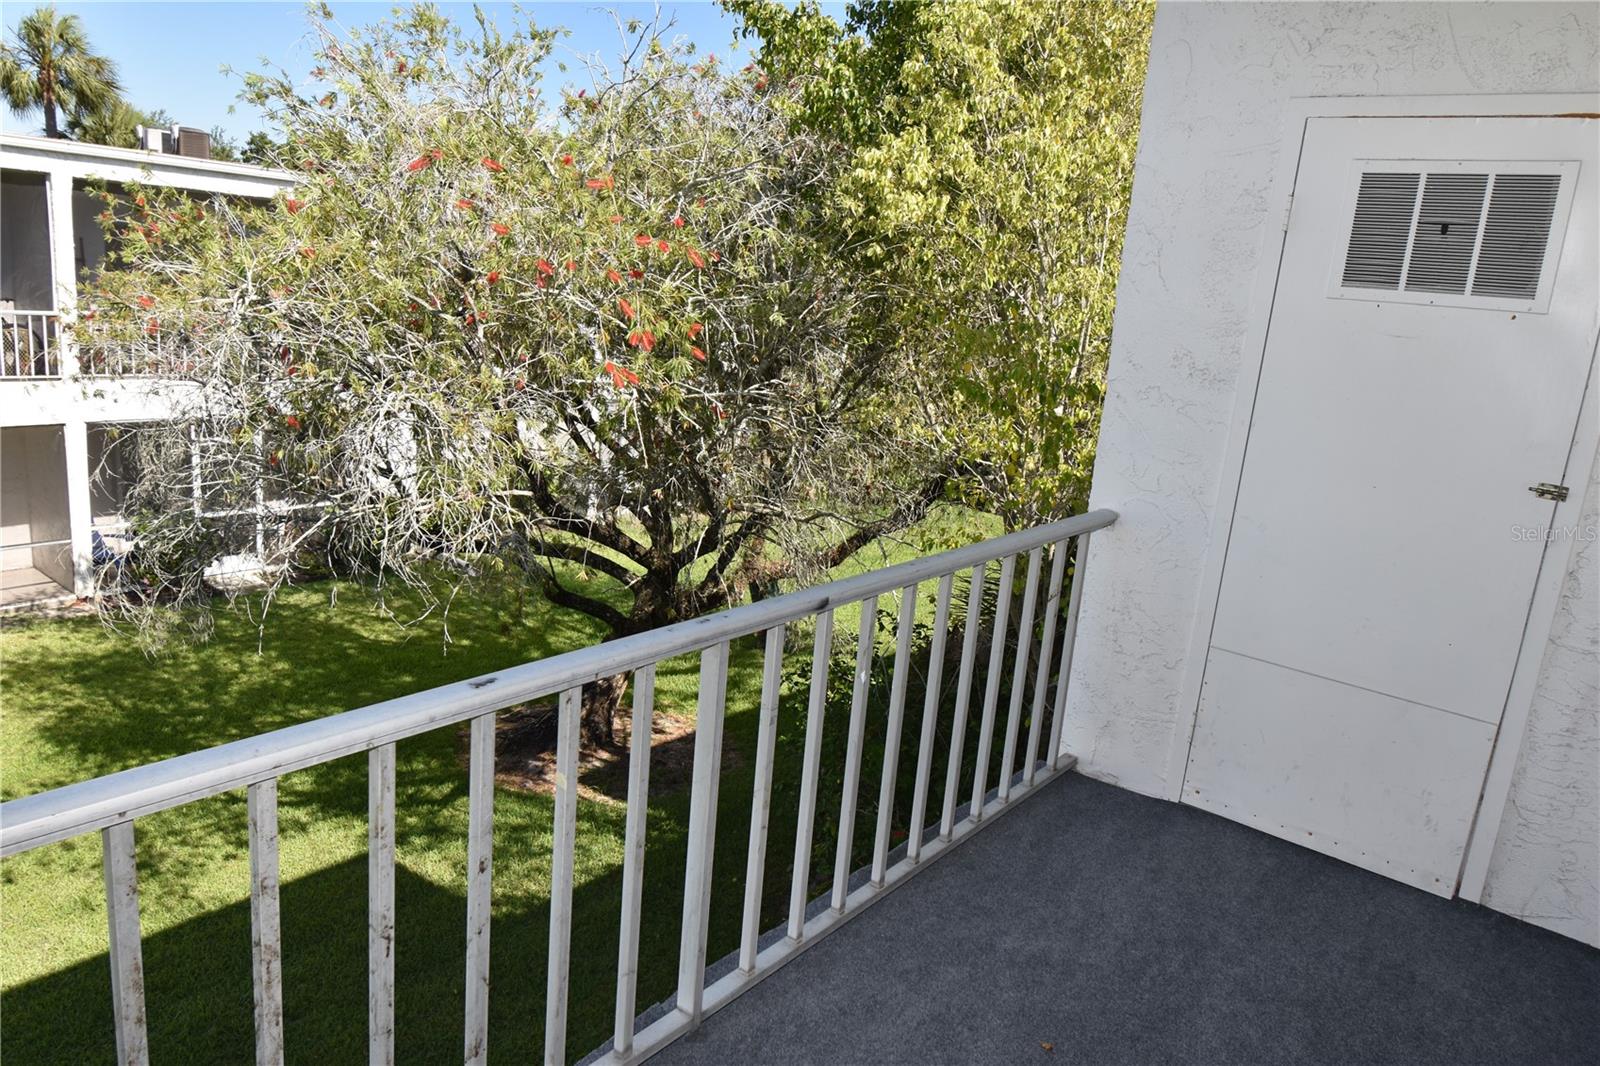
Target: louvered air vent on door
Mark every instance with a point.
(1462, 234)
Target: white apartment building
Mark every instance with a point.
(59, 471)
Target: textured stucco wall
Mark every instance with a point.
(1221, 77)
(1546, 862)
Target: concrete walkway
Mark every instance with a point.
(1093, 925)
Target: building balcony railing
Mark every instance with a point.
(1040, 661)
(30, 344)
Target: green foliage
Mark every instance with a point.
(486, 335)
(260, 149)
(50, 65)
(991, 158)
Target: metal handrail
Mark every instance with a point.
(45, 817)
(112, 803)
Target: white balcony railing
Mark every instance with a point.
(30, 344)
(113, 803)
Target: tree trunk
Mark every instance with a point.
(601, 700)
(50, 127)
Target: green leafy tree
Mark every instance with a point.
(116, 125)
(610, 351)
(49, 65)
(260, 149)
(991, 148)
(223, 147)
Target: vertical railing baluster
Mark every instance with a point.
(852, 756)
(761, 803)
(958, 735)
(800, 886)
(1070, 624)
(930, 716)
(991, 690)
(891, 740)
(380, 905)
(564, 836)
(633, 848)
(1019, 674)
(1041, 684)
(702, 830)
(480, 876)
(127, 963)
(266, 941)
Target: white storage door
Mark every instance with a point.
(1430, 341)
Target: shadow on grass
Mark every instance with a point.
(199, 995)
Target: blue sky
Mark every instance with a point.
(169, 54)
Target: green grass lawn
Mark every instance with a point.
(80, 702)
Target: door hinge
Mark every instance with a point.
(1546, 491)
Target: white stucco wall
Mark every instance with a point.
(1221, 78)
(1546, 862)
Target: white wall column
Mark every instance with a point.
(75, 441)
(64, 272)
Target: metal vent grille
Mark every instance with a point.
(1454, 233)
(1446, 232)
(1516, 233)
(1378, 235)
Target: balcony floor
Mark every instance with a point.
(1123, 929)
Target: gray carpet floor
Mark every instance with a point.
(1121, 929)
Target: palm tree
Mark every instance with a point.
(50, 66)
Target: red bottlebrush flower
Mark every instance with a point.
(545, 268)
(326, 101)
(87, 316)
(199, 214)
(635, 273)
(500, 229)
(146, 302)
(422, 162)
(492, 277)
(621, 376)
(613, 277)
(716, 257)
(677, 220)
(606, 182)
(491, 165)
(465, 204)
(566, 160)
(647, 340)
(582, 93)
(104, 216)
(540, 281)
(152, 327)
(139, 200)
(642, 240)
(663, 246)
(721, 414)
(616, 218)
(471, 318)
(695, 329)
(155, 228)
(400, 67)
(309, 253)
(625, 307)
(572, 264)
(694, 257)
(761, 84)
(520, 384)
(293, 206)
(291, 421)
(697, 353)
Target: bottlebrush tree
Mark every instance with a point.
(609, 349)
